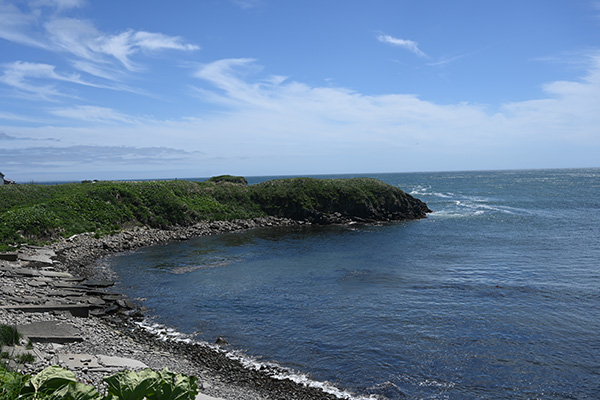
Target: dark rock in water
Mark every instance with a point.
(221, 341)
(111, 309)
(96, 302)
(125, 303)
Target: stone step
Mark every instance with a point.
(76, 310)
(50, 332)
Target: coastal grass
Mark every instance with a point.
(357, 197)
(38, 214)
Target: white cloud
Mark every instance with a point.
(404, 43)
(58, 4)
(292, 118)
(16, 26)
(80, 38)
(28, 77)
(157, 41)
(93, 113)
(89, 157)
(247, 4)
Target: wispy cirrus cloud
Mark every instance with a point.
(58, 4)
(89, 156)
(38, 80)
(19, 27)
(11, 138)
(80, 38)
(247, 4)
(93, 114)
(409, 45)
(83, 40)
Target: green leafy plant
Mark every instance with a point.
(56, 383)
(11, 384)
(48, 381)
(25, 358)
(152, 385)
(9, 335)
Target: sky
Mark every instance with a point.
(132, 89)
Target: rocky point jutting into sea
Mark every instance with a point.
(61, 299)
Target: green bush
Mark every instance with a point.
(9, 335)
(229, 178)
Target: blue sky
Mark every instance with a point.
(150, 89)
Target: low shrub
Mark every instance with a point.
(9, 335)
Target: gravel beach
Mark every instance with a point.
(69, 271)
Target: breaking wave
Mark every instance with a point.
(272, 369)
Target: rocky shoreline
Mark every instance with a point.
(112, 331)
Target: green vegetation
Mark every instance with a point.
(229, 178)
(25, 358)
(58, 383)
(9, 335)
(358, 197)
(40, 213)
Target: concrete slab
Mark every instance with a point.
(37, 255)
(36, 283)
(69, 285)
(201, 396)
(76, 310)
(79, 361)
(50, 332)
(26, 272)
(56, 274)
(120, 362)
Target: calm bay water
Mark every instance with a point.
(496, 295)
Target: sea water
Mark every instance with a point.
(495, 295)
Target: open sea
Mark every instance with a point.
(496, 295)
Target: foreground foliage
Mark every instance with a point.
(55, 383)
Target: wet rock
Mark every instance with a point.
(221, 341)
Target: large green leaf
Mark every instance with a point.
(132, 385)
(11, 383)
(175, 387)
(75, 391)
(49, 380)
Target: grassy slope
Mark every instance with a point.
(34, 213)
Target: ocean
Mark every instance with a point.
(495, 295)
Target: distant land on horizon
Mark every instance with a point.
(258, 178)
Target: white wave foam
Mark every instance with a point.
(425, 191)
(274, 370)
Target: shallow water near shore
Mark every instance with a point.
(495, 295)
